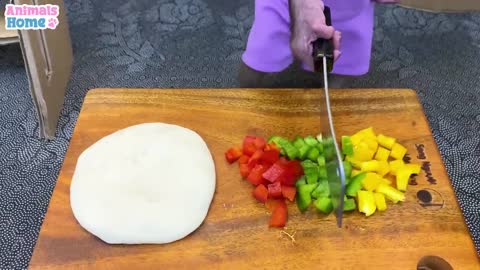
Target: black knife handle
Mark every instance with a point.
(323, 47)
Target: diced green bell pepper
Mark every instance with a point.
(311, 141)
(298, 142)
(329, 152)
(307, 163)
(290, 150)
(355, 184)
(347, 181)
(322, 173)
(277, 140)
(312, 175)
(313, 154)
(347, 168)
(347, 146)
(301, 181)
(328, 142)
(349, 205)
(321, 161)
(319, 146)
(303, 198)
(310, 171)
(324, 205)
(322, 190)
(303, 151)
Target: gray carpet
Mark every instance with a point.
(197, 43)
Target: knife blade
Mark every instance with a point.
(323, 60)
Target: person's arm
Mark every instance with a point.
(307, 25)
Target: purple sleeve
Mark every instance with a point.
(354, 19)
(268, 46)
(387, 1)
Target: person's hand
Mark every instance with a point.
(308, 24)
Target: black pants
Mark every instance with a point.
(292, 77)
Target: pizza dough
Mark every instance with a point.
(150, 183)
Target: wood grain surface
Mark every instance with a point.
(235, 234)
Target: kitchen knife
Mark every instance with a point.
(323, 63)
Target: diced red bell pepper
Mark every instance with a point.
(244, 170)
(264, 182)
(283, 162)
(296, 168)
(249, 145)
(255, 158)
(260, 193)
(274, 173)
(233, 154)
(293, 170)
(271, 155)
(255, 176)
(275, 190)
(279, 215)
(260, 142)
(271, 204)
(289, 192)
(288, 178)
(265, 163)
(243, 159)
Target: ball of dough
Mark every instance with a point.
(151, 183)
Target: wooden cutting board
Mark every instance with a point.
(235, 234)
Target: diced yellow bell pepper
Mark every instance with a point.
(366, 202)
(382, 154)
(383, 168)
(390, 193)
(355, 163)
(356, 139)
(380, 201)
(372, 143)
(355, 173)
(386, 141)
(386, 181)
(361, 135)
(403, 175)
(395, 165)
(370, 166)
(414, 168)
(362, 152)
(371, 181)
(367, 132)
(398, 151)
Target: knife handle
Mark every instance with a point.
(323, 47)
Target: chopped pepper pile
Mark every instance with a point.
(375, 159)
(273, 175)
(295, 170)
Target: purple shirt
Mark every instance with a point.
(268, 47)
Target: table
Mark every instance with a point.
(235, 234)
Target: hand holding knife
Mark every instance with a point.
(323, 58)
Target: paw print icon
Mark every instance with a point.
(52, 23)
